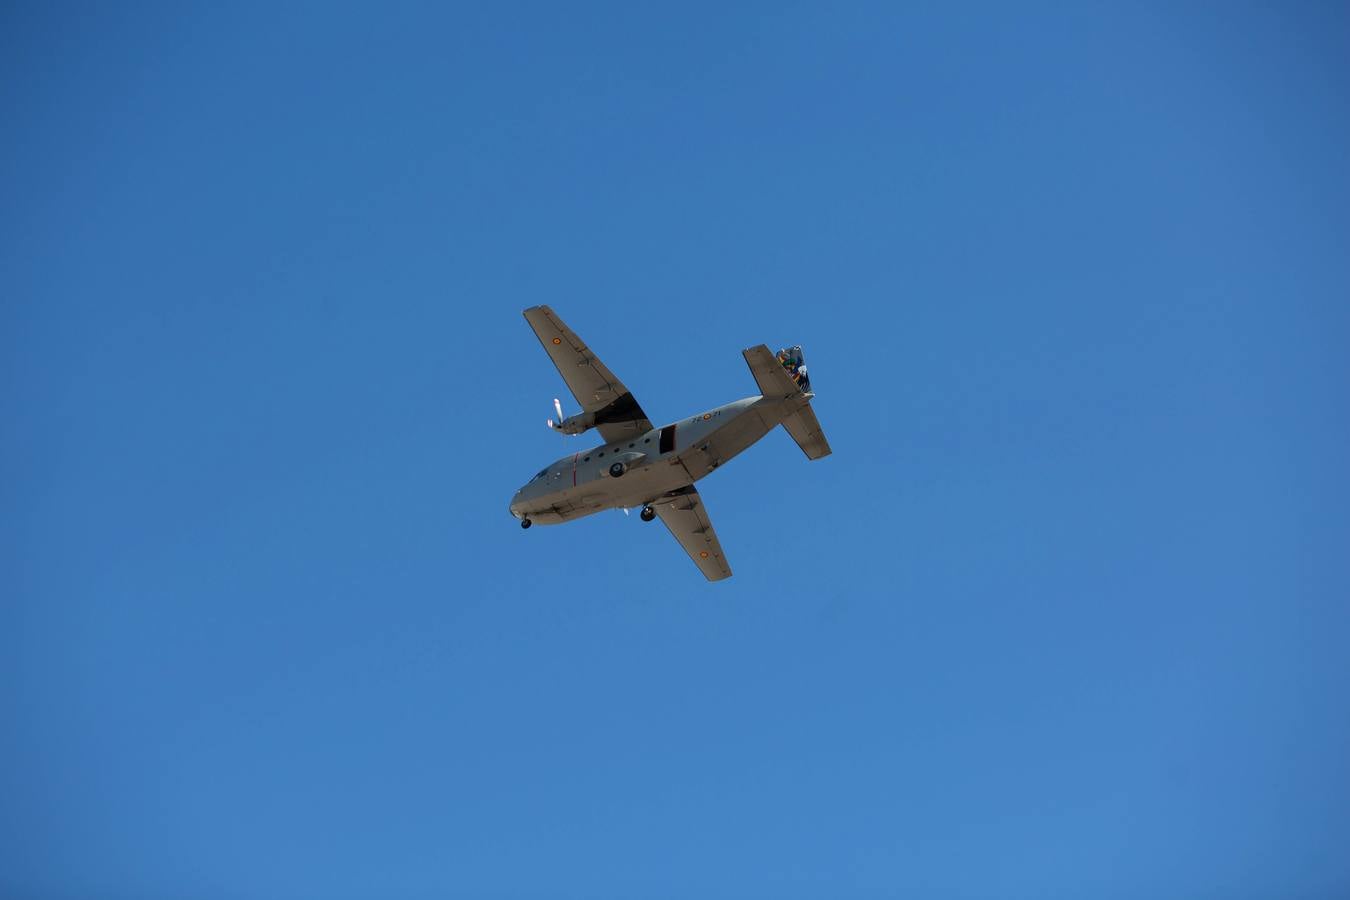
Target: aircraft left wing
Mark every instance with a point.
(684, 514)
(617, 414)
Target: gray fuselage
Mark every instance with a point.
(653, 464)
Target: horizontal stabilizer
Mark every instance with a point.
(806, 431)
(772, 378)
(784, 375)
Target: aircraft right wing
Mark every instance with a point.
(617, 414)
(683, 513)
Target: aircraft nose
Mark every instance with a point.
(515, 505)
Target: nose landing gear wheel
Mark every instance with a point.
(525, 523)
(647, 514)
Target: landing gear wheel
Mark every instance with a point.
(647, 514)
(525, 523)
(617, 469)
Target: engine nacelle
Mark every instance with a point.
(577, 424)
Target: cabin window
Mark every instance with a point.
(601, 453)
(587, 459)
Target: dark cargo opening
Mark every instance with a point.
(667, 439)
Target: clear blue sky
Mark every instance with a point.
(1064, 616)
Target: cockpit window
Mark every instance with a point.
(541, 474)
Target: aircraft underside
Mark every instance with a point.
(654, 480)
(655, 469)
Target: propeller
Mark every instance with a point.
(557, 407)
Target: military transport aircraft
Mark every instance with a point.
(655, 468)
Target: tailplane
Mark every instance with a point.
(806, 431)
(783, 375)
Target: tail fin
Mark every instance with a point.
(784, 375)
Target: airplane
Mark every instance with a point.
(655, 468)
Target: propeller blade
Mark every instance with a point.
(557, 407)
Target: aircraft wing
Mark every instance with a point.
(684, 514)
(617, 414)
